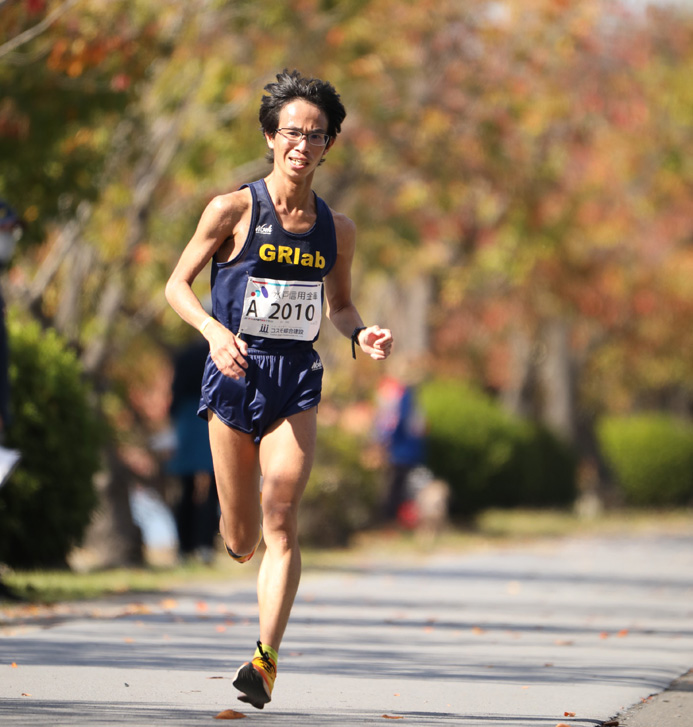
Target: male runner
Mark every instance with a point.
(277, 251)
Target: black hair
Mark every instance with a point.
(291, 85)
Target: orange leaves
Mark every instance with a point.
(76, 55)
(392, 716)
(620, 634)
(229, 714)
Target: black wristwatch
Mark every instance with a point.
(355, 339)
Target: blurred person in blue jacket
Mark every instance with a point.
(401, 429)
(10, 232)
(196, 514)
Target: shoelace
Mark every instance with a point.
(266, 660)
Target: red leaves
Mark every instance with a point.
(35, 6)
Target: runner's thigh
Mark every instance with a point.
(286, 457)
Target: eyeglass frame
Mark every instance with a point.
(296, 142)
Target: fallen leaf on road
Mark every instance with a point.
(568, 714)
(563, 642)
(14, 664)
(202, 606)
(478, 630)
(390, 716)
(562, 724)
(230, 714)
(622, 633)
(168, 604)
(26, 694)
(137, 609)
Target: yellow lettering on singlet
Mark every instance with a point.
(291, 256)
(268, 252)
(284, 255)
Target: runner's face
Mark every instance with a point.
(299, 159)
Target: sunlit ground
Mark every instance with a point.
(491, 528)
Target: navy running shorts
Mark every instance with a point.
(275, 386)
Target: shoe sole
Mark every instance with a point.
(249, 681)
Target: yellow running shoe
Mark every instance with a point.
(256, 679)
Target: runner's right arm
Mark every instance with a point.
(225, 220)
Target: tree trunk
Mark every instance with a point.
(113, 539)
(558, 376)
(518, 396)
(557, 380)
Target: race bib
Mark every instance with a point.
(282, 309)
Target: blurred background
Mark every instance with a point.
(521, 175)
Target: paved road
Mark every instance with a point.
(504, 638)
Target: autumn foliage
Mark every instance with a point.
(530, 162)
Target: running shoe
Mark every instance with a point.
(244, 558)
(256, 679)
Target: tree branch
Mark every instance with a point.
(39, 28)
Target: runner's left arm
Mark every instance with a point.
(373, 340)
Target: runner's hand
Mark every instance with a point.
(376, 342)
(227, 351)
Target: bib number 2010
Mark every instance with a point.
(289, 311)
(282, 309)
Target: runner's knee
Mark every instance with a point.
(280, 522)
(240, 539)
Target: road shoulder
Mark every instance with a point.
(674, 706)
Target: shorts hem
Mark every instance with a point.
(201, 412)
(298, 409)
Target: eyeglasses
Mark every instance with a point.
(294, 136)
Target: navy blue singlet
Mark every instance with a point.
(272, 252)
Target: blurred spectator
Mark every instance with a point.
(10, 232)
(401, 430)
(432, 510)
(197, 515)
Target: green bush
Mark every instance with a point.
(651, 456)
(489, 458)
(47, 503)
(341, 496)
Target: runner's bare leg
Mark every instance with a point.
(237, 473)
(286, 458)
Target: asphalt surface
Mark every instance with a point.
(575, 632)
